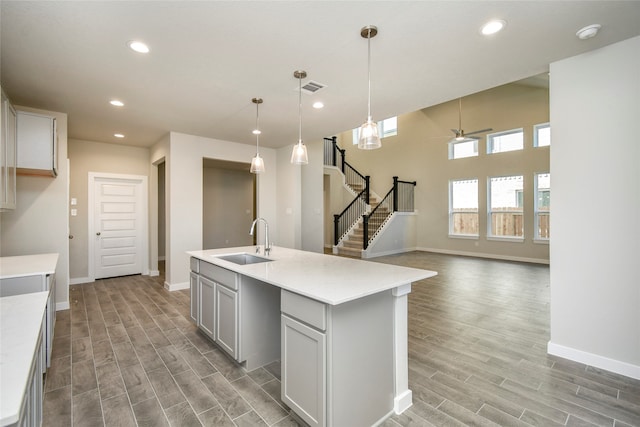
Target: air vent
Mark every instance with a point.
(312, 87)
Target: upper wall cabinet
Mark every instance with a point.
(7, 155)
(37, 144)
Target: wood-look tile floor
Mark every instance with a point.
(126, 354)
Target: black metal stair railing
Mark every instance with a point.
(335, 156)
(399, 199)
(343, 222)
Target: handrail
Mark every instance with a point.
(399, 199)
(348, 217)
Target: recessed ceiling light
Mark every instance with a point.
(318, 105)
(493, 27)
(116, 103)
(138, 46)
(118, 135)
(588, 31)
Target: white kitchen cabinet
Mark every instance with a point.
(206, 306)
(7, 154)
(29, 274)
(193, 288)
(37, 144)
(240, 314)
(23, 320)
(304, 365)
(226, 324)
(337, 366)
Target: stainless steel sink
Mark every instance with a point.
(243, 259)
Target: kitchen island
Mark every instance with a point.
(338, 325)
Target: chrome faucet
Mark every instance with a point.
(267, 245)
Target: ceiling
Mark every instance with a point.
(208, 59)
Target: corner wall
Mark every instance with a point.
(40, 223)
(595, 293)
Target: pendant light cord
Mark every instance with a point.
(300, 109)
(369, 74)
(257, 130)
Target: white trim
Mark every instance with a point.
(367, 255)
(506, 239)
(464, 236)
(154, 273)
(80, 280)
(176, 286)
(62, 306)
(485, 255)
(595, 360)
(541, 241)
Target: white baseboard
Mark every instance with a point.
(176, 286)
(485, 255)
(390, 252)
(80, 280)
(62, 306)
(154, 273)
(595, 360)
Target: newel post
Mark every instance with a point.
(395, 194)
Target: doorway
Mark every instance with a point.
(117, 225)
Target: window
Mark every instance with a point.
(501, 142)
(505, 207)
(386, 127)
(462, 149)
(542, 135)
(463, 208)
(542, 208)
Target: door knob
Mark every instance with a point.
(98, 233)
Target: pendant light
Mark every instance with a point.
(299, 153)
(368, 138)
(257, 163)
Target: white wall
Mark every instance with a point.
(595, 290)
(40, 224)
(400, 236)
(288, 201)
(183, 155)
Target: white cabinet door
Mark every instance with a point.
(206, 306)
(37, 144)
(227, 320)
(304, 368)
(193, 287)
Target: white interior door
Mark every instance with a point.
(119, 225)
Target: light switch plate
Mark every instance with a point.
(74, 212)
(74, 201)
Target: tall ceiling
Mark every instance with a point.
(208, 59)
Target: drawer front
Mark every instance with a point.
(219, 275)
(195, 264)
(309, 311)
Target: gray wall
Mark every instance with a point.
(228, 207)
(40, 224)
(420, 152)
(90, 156)
(595, 292)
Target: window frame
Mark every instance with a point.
(492, 136)
(490, 231)
(453, 143)
(536, 129)
(537, 212)
(452, 212)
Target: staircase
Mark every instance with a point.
(364, 218)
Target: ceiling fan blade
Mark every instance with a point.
(479, 131)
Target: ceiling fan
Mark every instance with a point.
(460, 135)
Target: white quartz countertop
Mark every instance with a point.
(326, 278)
(20, 327)
(27, 265)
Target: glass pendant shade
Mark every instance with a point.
(257, 164)
(368, 138)
(299, 154)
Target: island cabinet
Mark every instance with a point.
(337, 364)
(240, 314)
